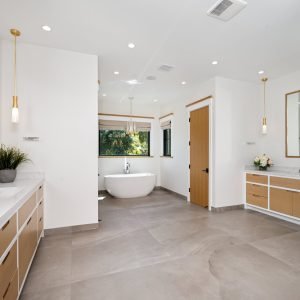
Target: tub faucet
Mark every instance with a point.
(127, 168)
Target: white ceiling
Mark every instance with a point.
(265, 36)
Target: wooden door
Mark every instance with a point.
(199, 156)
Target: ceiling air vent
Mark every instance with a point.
(226, 9)
(165, 68)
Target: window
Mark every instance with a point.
(166, 135)
(167, 142)
(114, 141)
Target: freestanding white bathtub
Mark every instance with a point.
(130, 185)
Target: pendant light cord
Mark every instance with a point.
(15, 66)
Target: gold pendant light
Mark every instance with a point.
(15, 105)
(264, 122)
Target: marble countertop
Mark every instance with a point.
(276, 171)
(13, 195)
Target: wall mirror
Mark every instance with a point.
(292, 112)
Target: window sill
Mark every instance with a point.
(130, 156)
(166, 156)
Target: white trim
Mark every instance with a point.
(209, 102)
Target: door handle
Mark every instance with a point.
(205, 170)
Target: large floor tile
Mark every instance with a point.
(286, 248)
(129, 251)
(175, 280)
(245, 272)
(56, 293)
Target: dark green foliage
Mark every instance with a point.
(118, 143)
(11, 157)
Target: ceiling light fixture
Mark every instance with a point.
(131, 45)
(155, 100)
(46, 28)
(15, 107)
(215, 62)
(116, 72)
(261, 72)
(264, 125)
(104, 95)
(133, 82)
(183, 82)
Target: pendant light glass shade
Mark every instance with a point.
(264, 122)
(15, 110)
(131, 125)
(15, 106)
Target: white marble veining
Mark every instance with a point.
(14, 194)
(276, 171)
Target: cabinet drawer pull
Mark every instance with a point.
(29, 220)
(6, 291)
(41, 203)
(40, 187)
(5, 259)
(257, 196)
(41, 218)
(5, 225)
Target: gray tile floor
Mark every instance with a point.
(160, 247)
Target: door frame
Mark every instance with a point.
(208, 101)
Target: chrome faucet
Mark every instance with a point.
(127, 168)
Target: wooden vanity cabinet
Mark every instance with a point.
(18, 244)
(27, 245)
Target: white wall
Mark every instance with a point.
(175, 171)
(115, 165)
(58, 102)
(274, 142)
(236, 122)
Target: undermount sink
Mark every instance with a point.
(6, 192)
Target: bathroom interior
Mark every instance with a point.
(149, 149)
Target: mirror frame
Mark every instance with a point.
(286, 127)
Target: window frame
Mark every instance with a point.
(170, 118)
(167, 142)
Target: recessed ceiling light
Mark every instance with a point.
(261, 72)
(46, 28)
(116, 72)
(104, 95)
(155, 100)
(183, 82)
(133, 82)
(131, 45)
(215, 62)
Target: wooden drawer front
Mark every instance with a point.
(8, 268)
(26, 210)
(258, 190)
(296, 205)
(41, 208)
(11, 291)
(40, 193)
(7, 233)
(285, 182)
(27, 245)
(281, 201)
(257, 200)
(257, 178)
(40, 225)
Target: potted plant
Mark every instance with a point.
(263, 162)
(10, 159)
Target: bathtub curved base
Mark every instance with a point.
(130, 185)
